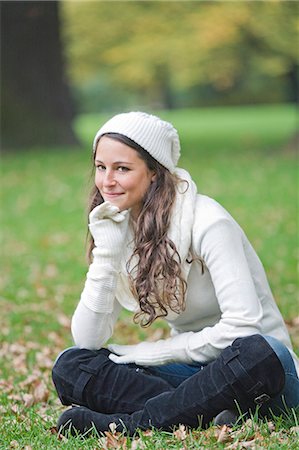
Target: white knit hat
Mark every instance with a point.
(159, 138)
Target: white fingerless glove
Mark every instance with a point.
(174, 349)
(108, 227)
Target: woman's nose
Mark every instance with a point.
(109, 178)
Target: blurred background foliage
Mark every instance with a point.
(180, 54)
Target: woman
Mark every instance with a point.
(159, 249)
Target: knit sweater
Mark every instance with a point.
(231, 298)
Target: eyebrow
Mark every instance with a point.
(115, 162)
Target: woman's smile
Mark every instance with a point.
(111, 196)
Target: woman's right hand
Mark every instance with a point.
(108, 227)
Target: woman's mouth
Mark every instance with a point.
(112, 194)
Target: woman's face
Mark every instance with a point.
(122, 177)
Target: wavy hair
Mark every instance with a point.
(156, 280)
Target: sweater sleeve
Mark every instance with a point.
(92, 329)
(95, 316)
(222, 250)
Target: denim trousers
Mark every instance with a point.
(176, 373)
(89, 378)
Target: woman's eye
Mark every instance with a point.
(101, 168)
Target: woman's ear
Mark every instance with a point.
(154, 176)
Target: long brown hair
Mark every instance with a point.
(156, 281)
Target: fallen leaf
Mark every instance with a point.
(147, 433)
(15, 397)
(242, 444)
(137, 444)
(30, 380)
(62, 438)
(102, 443)
(115, 441)
(28, 400)
(224, 434)
(64, 320)
(180, 433)
(40, 392)
(112, 427)
(271, 427)
(43, 360)
(15, 409)
(248, 444)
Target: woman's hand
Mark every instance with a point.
(108, 227)
(164, 351)
(138, 354)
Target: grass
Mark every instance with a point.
(238, 156)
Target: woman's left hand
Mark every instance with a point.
(152, 353)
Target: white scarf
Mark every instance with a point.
(180, 232)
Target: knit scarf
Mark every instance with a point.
(180, 232)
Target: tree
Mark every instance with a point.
(36, 108)
(159, 47)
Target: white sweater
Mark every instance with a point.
(231, 299)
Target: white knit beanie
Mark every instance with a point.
(159, 138)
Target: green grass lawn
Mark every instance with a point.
(236, 155)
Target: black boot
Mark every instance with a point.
(246, 374)
(89, 378)
(227, 417)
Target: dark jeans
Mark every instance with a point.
(89, 378)
(175, 374)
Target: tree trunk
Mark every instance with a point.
(293, 83)
(164, 87)
(36, 107)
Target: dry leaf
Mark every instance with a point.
(14, 444)
(6, 386)
(115, 441)
(112, 427)
(102, 443)
(181, 433)
(40, 392)
(147, 433)
(62, 438)
(15, 409)
(43, 360)
(242, 444)
(44, 414)
(271, 427)
(28, 400)
(64, 321)
(30, 380)
(248, 444)
(15, 397)
(137, 444)
(224, 434)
